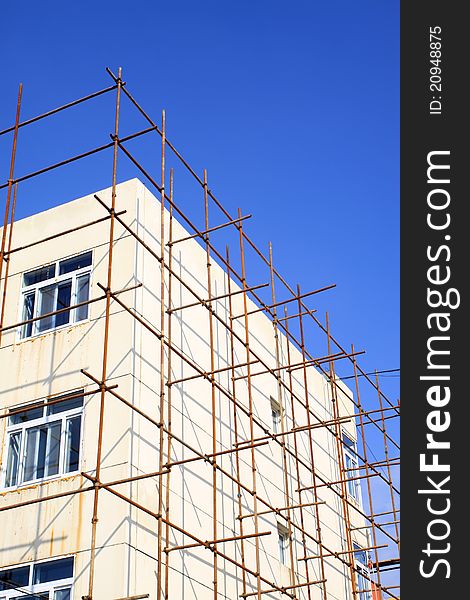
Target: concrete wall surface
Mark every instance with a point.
(50, 364)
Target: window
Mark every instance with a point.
(55, 287)
(350, 465)
(276, 415)
(364, 586)
(43, 441)
(284, 542)
(51, 580)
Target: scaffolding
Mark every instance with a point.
(295, 317)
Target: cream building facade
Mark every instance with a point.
(50, 426)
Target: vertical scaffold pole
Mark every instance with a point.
(285, 464)
(296, 460)
(161, 411)
(366, 463)
(250, 408)
(341, 467)
(213, 387)
(104, 370)
(6, 218)
(7, 268)
(235, 422)
(387, 460)
(168, 419)
(308, 412)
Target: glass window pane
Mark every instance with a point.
(64, 294)
(65, 405)
(72, 452)
(46, 305)
(63, 594)
(350, 464)
(39, 275)
(12, 578)
(281, 548)
(28, 313)
(75, 263)
(276, 416)
(360, 554)
(53, 570)
(52, 458)
(83, 292)
(35, 596)
(36, 449)
(13, 460)
(27, 415)
(364, 585)
(41, 459)
(42, 451)
(30, 457)
(352, 489)
(283, 540)
(361, 557)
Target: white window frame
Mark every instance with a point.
(276, 415)
(284, 541)
(62, 417)
(352, 484)
(362, 570)
(55, 281)
(49, 586)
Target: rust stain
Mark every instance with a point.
(51, 543)
(79, 520)
(42, 484)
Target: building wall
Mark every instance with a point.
(126, 536)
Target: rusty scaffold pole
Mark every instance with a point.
(295, 433)
(213, 388)
(8, 261)
(388, 462)
(169, 394)
(250, 406)
(366, 468)
(282, 418)
(308, 414)
(7, 220)
(161, 411)
(341, 468)
(104, 370)
(235, 423)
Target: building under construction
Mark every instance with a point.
(165, 430)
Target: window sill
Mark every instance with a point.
(60, 329)
(355, 501)
(39, 482)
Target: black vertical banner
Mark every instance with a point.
(435, 259)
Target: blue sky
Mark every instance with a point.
(292, 108)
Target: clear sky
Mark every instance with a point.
(292, 108)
